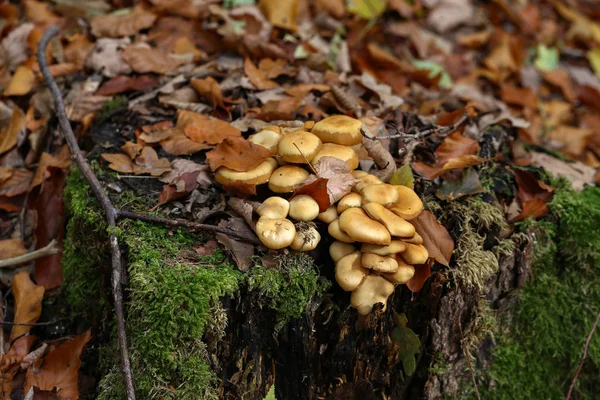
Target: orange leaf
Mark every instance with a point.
(257, 78)
(21, 82)
(238, 154)
(28, 302)
(422, 272)
(144, 60)
(118, 162)
(60, 369)
(131, 149)
(211, 131)
(178, 144)
(149, 163)
(8, 136)
(11, 362)
(573, 139)
(210, 90)
(533, 194)
(117, 26)
(17, 184)
(10, 248)
(39, 13)
(524, 97)
(436, 238)
(47, 161)
(318, 191)
(156, 133)
(241, 189)
(282, 14)
(560, 78)
(78, 50)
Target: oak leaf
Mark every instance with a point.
(436, 238)
(238, 154)
(28, 302)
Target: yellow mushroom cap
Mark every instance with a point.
(349, 273)
(267, 138)
(357, 174)
(256, 176)
(344, 153)
(283, 179)
(274, 207)
(307, 237)
(303, 208)
(338, 249)
(417, 239)
(396, 225)
(356, 223)
(404, 273)
(415, 254)
(366, 180)
(379, 263)
(335, 232)
(308, 145)
(329, 215)
(377, 193)
(348, 201)
(275, 233)
(374, 289)
(409, 205)
(339, 129)
(396, 246)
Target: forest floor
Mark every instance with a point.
(488, 110)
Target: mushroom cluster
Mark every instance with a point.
(376, 246)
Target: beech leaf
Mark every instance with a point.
(28, 302)
(238, 154)
(436, 238)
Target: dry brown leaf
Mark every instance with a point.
(556, 112)
(62, 161)
(301, 89)
(116, 26)
(9, 134)
(335, 8)
(209, 90)
(239, 188)
(274, 110)
(17, 184)
(560, 78)
(238, 154)
(5, 173)
(106, 57)
(119, 162)
(184, 45)
(78, 50)
(21, 82)
(179, 144)
(524, 97)
(256, 76)
(475, 40)
(149, 163)
(39, 13)
(577, 173)
(155, 133)
(273, 68)
(182, 166)
(533, 195)
(436, 238)
(28, 302)
(449, 14)
(281, 13)
(211, 131)
(501, 58)
(422, 273)
(10, 248)
(144, 60)
(60, 369)
(572, 140)
(131, 149)
(62, 69)
(122, 83)
(339, 177)
(10, 362)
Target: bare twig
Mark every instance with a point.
(585, 350)
(418, 134)
(109, 210)
(47, 250)
(189, 224)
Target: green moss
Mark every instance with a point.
(113, 104)
(289, 287)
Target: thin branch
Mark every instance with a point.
(47, 250)
(109, 210)
(418, 134)
(585, 350)
(188, 224)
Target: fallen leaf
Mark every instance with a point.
(15, 47)
(107, 57)
(154, 133)
(547, 58)
(556, 112)
(21, 82)
(284, 109)
(245, 209)
(131, 149)
(582, 27)
(28, 302)
(524, 97)
(119, 25)
(577, 173)
(118, 162)
(281, 14)
(144, 60)
(436, 238)
(533, 195)
(407, 341)
(122, 83)
(39, 13)
(256, 76)
(207, 248)
(339, 180)
(60, 369)
(239, 188)
(422, 273)
(209, 90)
(302, 89)
(78, 50)
(10, 248)
(210, 131)
(403, 176)
(366, 9)
(502, 58)
(182, 166)
(240, 251)
(47, 162)
(182, 186)
(475, 40)
(149, 163)
(10, 133)
(450, 14)
(318, 191)
(560, 78)
(5, 173)
(572, 140)
(467, 184)
(10, 362)
(179, 144)
(238, 154)
(17, 184)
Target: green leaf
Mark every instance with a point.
(594, 59)
(403, 177)
(407, 341)
(467, 184)
(367, 9)
(547, 58)
(434, 69)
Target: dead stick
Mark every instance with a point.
(188, 224)
(419, 134)
(47, 250)
(585, 350)
(109, 209)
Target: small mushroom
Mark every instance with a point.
(417, 239)
(338, 249)
(415, 254)
(361, 228)
(409, 205)
(299, 146)
(284, 179)
(396, 246)
(366, 180)
(404, 273)
(357, 174)
(274, 207)
(303, 208)
(267, 138)
(339, 129)
(344, 153)
(329, 215)
(256, 176)
(335, 231)
(379, 263)
(275, 233)
(381, 194)
(396, 225)
(374, 289)
(349, 273)
(348, 201)
(307, 237)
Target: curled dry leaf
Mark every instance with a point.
(9, 133)
(119, 162)
(10, 362)
(339, 179)
(28, 302)
(422, 273)
(116, 26)
(256, 76)
(131, 149)
(436, 238)
(238, 154)
(149, 163)
(209, 90)
(533, 195)
(155, 133)
(144, 60)
(318, 191)
(10, 248)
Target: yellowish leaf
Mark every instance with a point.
(21, 82)
(28, 302)
(8, 135)
(594, 59)
(367, 9)
(281, 13)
